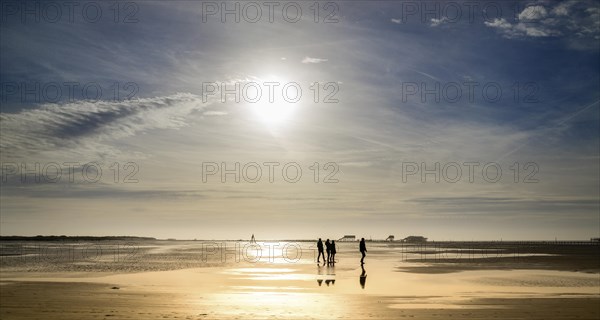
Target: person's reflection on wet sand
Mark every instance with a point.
(363, 277)
(319, 275)
(330, 273)
(327, 277)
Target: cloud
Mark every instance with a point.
(501, 200)
(436, 22)
(520, 206)
(398, 21)
(362, 164)
(91, 191)
(215, 113)
(533, 13)
(520, 29)
(91, 124)
(562, 9)
(500, 23)
(573, 20)
(313, 60)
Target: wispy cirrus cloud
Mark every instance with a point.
(313, 60)
(215, 113)
(85, 124)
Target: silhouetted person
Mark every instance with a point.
(252, 240)
(333, 251)
(363, 277)
(328, 249)
(363, 250)
(320, 249)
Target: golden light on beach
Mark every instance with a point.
(277, 303)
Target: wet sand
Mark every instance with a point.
(281, 288)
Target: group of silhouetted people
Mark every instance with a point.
(331, 251)
(329, 248)
(330, 260)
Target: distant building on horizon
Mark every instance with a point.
(390, 238)
(415, 239)
(348, 238)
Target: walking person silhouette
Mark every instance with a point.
(363, 250)
(320, 249)
(328, 249)
(333, 251)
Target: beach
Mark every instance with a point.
(237, 280)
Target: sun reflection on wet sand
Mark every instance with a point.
(267, 304)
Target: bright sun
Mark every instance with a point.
(273, 113)
(277, 102)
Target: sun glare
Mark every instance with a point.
(278, 100)
(273, 113)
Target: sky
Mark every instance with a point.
(474, 120)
